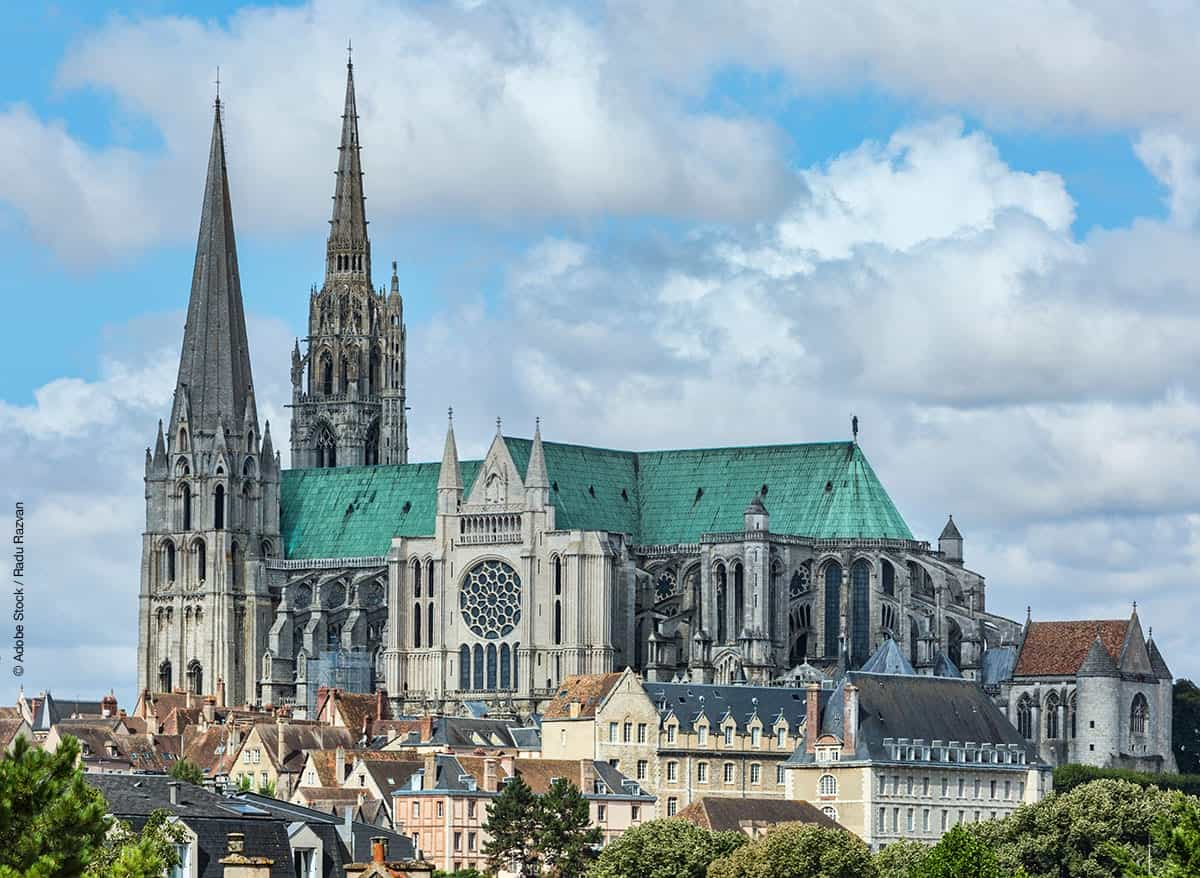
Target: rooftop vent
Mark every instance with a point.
(592, 490)
(554, 486)
(624, 495)
(763, 490)
(828, 487)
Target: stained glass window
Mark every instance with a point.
(490, 599)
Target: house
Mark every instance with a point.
(892, 756)
(208, 821)
(272, 755)
(11, 728)
(754, 817)
(108, 746)
(444, 807)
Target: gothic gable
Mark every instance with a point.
(499, 481)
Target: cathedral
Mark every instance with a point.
(491, 581)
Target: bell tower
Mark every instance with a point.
(348, 400)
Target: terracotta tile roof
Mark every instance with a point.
(586, 689)
(211, 749)
(10, 713)
(725, 813)
(1057, 649)
(178, 719)
(9, 727)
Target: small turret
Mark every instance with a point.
(537, 479)
(756, 517)
(450, 485)
(950, 543)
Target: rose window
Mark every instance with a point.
(664, 587)
(799, 583)
(490, 599)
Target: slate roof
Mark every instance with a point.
(729, 814)
(943, 666)
(997, 664)
(586, 689)
(820, 490)
(1097, 662)
(950, 531)
(888, 659)
(689, 701)
(1157, 662)
(297, 739)
(390, 774)
(1057, 649)
(920, 707)
(210, 816)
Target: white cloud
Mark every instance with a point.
(1175, 161)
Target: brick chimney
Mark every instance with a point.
(849, 719)
(280, 753)
(430, 771)
(812, 717)
(491, 767)
(379, 704)
(426, 727)
(379, 849)
(240, 865)
(339, 765)
(210, 708)
(108, 705)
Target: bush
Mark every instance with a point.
(672, 848)
(799, 849)
(899, 859)
(1068, 777)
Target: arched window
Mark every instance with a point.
(558, 622)
(201, 560)
(557, 575)
(464, 667)
(477, 667)
(169, 561)
(164, 677)
(195, 678)
(344, 376)
(183, 439)
(954, 643)
(247, 513)
(416, 572)
(375, 372)
(326, 374)
(429, 629)
(739, 600)
(416, 625)
(515, 676)
(1072, 718)
(888, 578)
(234, 564)
(219, 507)
(326, 447)
(833, 607)
(491, 666)
(1025, 717)
(860, 631)
(827, 785)
(914, 635)
(1139, 715)
(185, 502)
(429, 577)
(505, 667)
(371, 449)
(1052, 704)
(719, 574)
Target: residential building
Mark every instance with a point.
(752, 816)
(272, 755)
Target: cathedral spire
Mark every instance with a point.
(214, 365)
(535, 473)
(349, 250)
(450, 476)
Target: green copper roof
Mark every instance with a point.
(821, 490)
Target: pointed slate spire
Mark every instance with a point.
(1157, 662)
(536, 475)
(268, 450)
(1098, 662)
(348, 226)
(214, 366)
(450, 476)
(160, 448)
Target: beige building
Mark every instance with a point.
(274, 754)
(899, 756)
(679, 741)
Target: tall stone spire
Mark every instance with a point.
(214, 366)
(349, 249)
(537, 479)
(450, 475)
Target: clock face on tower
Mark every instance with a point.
(490, 599)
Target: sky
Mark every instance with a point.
(676, 224)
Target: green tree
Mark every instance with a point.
(1073, 835)
(566, 840)
(1174, 851)
(900, 859)
(513, 821)
(129, 854)
(51, 822)
(188, 772)
(959, 853)
(1185, 726)
(664, 849)
(798, 849)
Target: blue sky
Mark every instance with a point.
(621, 217)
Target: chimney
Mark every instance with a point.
(339, 765)
(238, 864)
(490, 767)
(220, 692)
(173, 791)
(378, 704)
(812, 716)
(508, 765)
(426, 727)
(850, 719)
(587, 776)
(573, 709)
(279, 744)
(379, 849)
(430, 771)
(237, 843)
(210, 708)
(108, 705)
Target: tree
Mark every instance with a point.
(566, 840)
(513, 820)
(188, 772)
(664, 849)
(900, 859)
(959, 852)
(148, 854)
(51, 822)
(1073, 835)
(799, 849)
(1174, 851)
(1185, 726)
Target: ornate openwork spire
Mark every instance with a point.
(349, 249)
(214, 365)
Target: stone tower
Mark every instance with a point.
(348, 389)
(212, 486)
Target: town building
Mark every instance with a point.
(753, 816)
(905, 756)
(272, 755)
